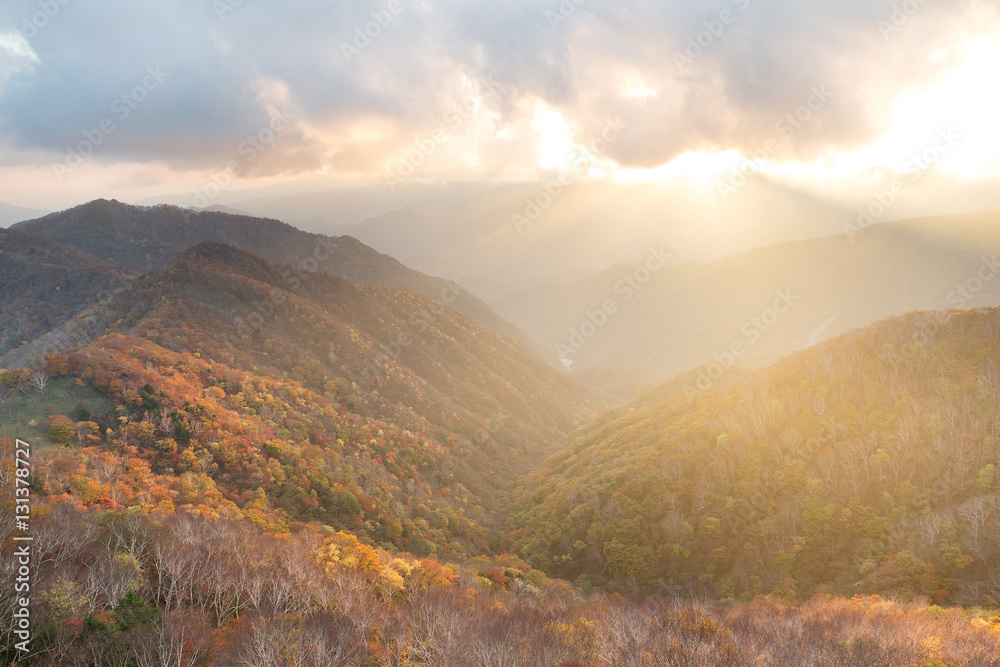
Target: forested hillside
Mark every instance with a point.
(258, 464)
(43, 285)
(285, 396)
(866, 465)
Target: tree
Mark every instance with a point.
(181, 639)
(61, 429)
(39, 379)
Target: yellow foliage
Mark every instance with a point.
(63, 596)
(390, 582)
(344, 551)
(929, 649)
(88, 490)
(579, 636)
(214, 393)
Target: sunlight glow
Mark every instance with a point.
(961, 106)
(555, 146)
(953, 121)
(699, 167)
(638, 91)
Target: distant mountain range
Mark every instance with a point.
(10, 214)
(498, 238)
(634, 323)
(755, 306)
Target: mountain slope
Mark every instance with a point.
(766, 302)
(44, 284)
(868, 464)
(145, 238)
(295, 397)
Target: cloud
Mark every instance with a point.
(752, 63)
(16, 56)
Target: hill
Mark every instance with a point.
(765, 303)
(144, 238)
(43, 285)
(865, 465)
(293, 397)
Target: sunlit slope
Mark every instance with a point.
(867, 464)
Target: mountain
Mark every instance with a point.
(501, 238)
(10, 214)
(653, 319)
(218, 208)
(312, 205)
(43, 285)
(515, 236)
(293, 397)
(866, 464)
(145, 238)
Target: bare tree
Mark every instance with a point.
(39, 379)
(108, 580)
(181, 639)
(63, 535)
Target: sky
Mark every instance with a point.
(196, 96)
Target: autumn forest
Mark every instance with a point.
(238, 461)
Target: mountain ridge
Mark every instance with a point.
(144, 238)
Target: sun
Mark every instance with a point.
(555, 143)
